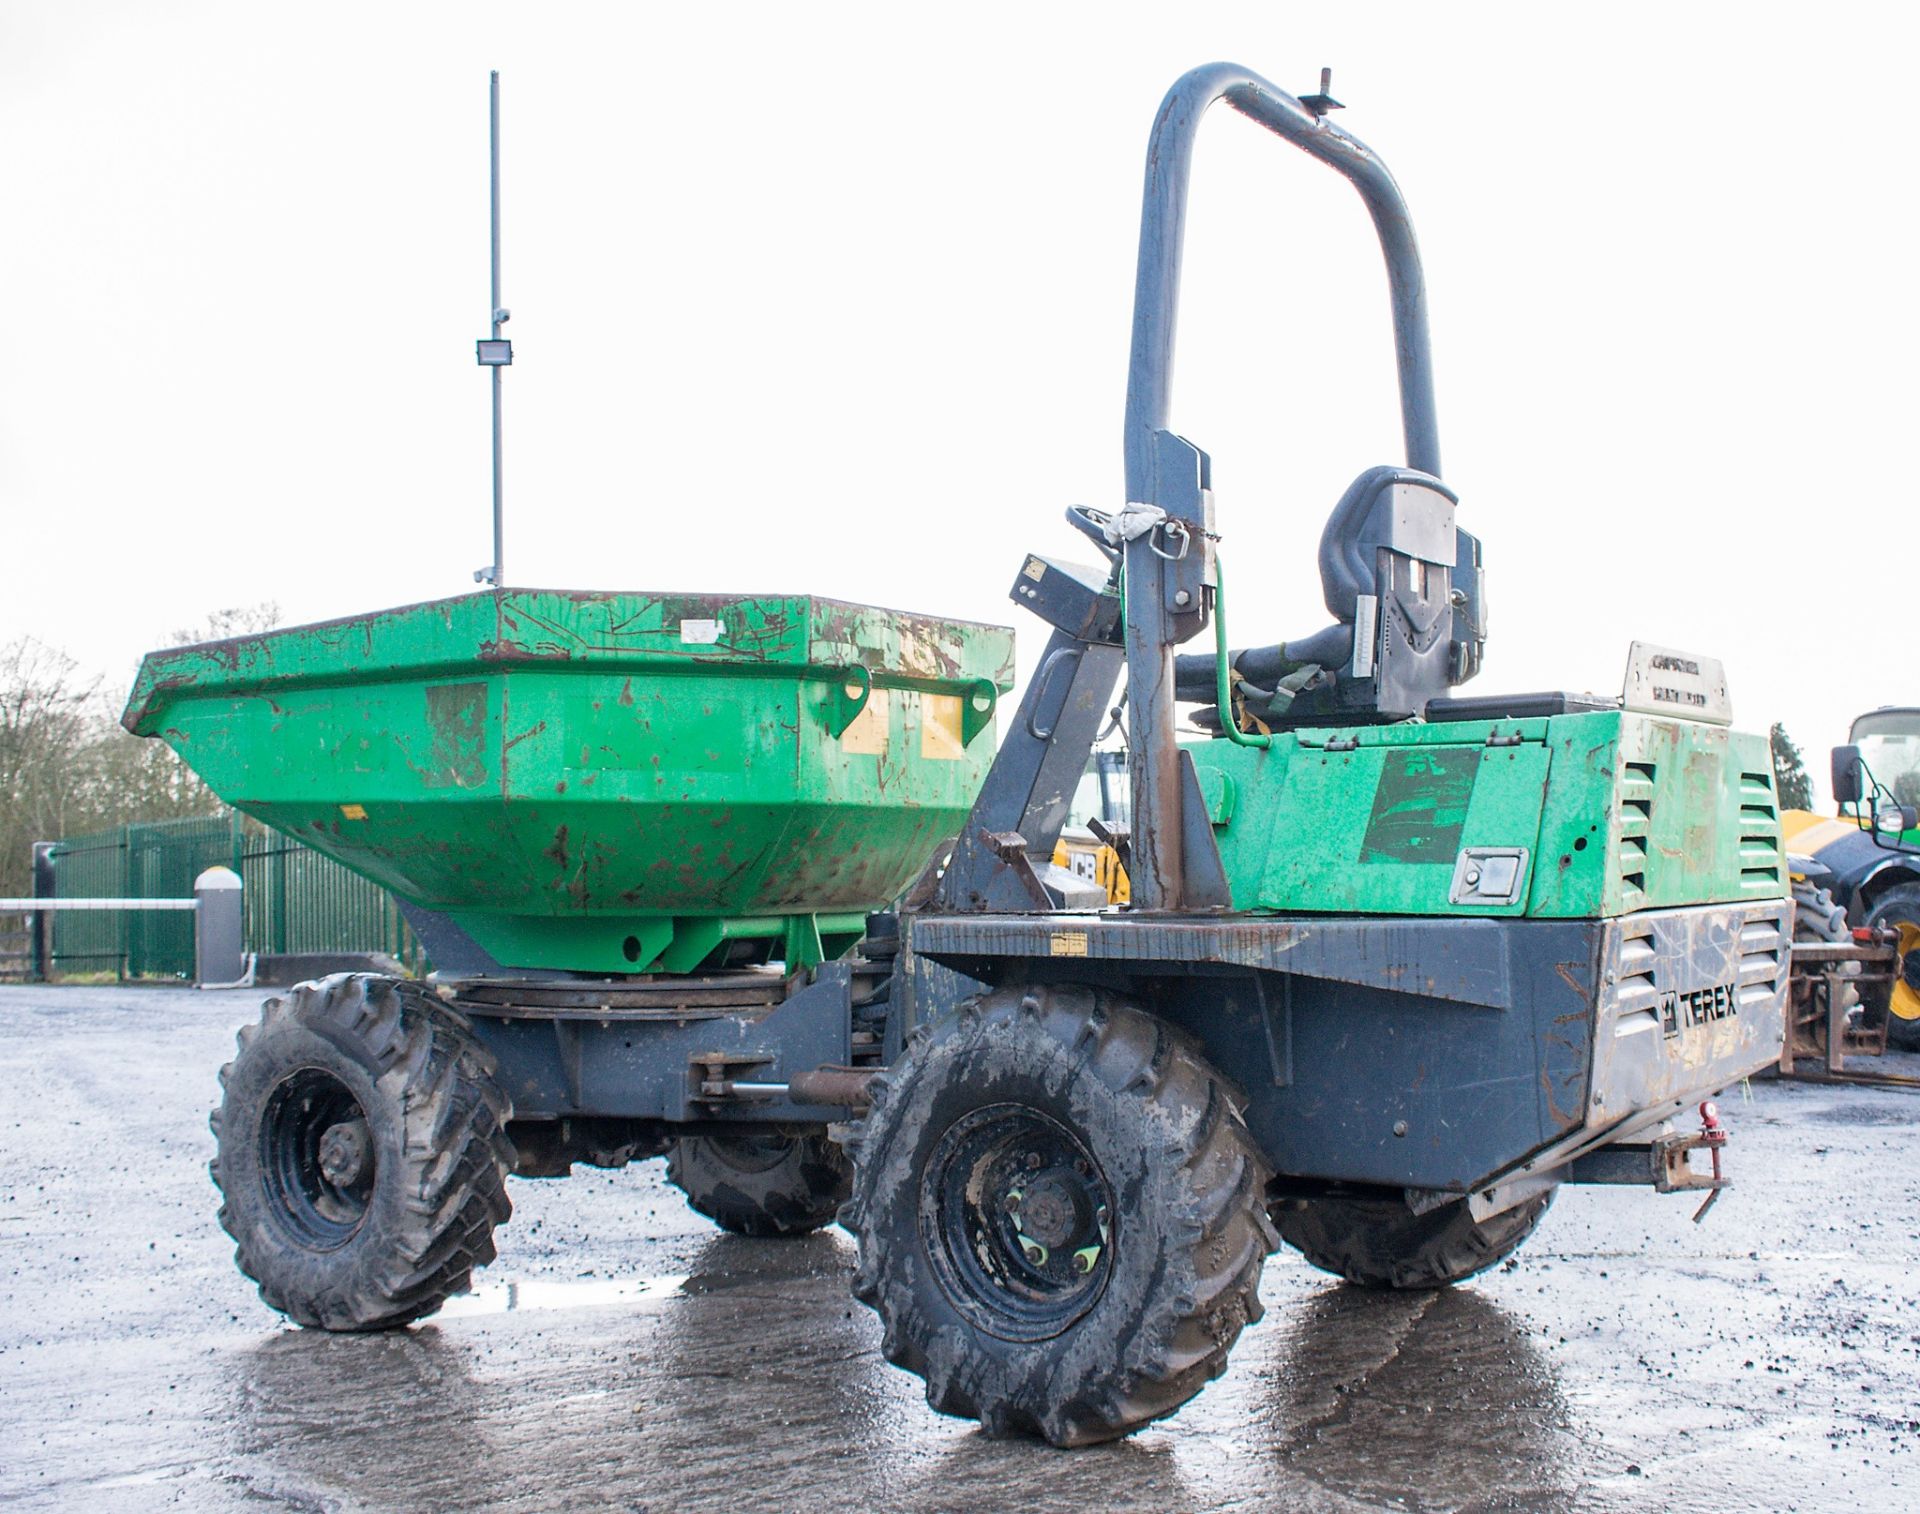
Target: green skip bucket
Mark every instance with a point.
(605, 783)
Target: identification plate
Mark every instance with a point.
(1662, 681)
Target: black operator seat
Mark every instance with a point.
(1406, 589)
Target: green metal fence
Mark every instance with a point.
(299, 901)
(295, 900)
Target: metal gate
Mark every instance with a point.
(299, 901)
(295, 900)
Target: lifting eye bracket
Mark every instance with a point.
(976, 709)
(852, 688)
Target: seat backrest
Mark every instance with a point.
(1406, 589)
(1406, 583)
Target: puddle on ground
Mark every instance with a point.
(1859, 1112)
(572, 1293)
(148, 1478)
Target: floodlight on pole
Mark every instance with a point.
(494, 352)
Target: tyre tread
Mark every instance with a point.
(1379, 1243)
(806, 1189)
(455, 1151)
(1223, 1235)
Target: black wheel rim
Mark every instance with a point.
(1018, 1219)
(317, 1159)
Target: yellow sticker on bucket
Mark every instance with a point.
(867, 733)
(942, 736)
(354, 811)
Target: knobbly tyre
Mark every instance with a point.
(1456, 950)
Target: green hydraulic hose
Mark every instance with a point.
(1223, 692)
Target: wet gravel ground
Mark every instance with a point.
(623, 1354)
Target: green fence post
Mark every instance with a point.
(280, 897)
(122, 928)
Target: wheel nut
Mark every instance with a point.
(1035, 1255)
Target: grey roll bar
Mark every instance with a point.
(1163, 222)
(1165, 602)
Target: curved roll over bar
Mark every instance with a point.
(1163, 223)
(1168, 596)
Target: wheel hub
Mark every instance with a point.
(1055, 1209)
(1018, 1221)
(317, 1159)
(343, 1153)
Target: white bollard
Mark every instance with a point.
(219, 944)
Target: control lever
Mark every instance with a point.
(1092, 524)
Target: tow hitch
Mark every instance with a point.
(1665, 1160)
(1674, 1172)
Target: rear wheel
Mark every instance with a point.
(1381, 1243)
(360, 1153)
(762, 1183)
(1061, 1215)
(1899, 908)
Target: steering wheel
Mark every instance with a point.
(1092, 524)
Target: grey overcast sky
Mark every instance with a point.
(835, 297)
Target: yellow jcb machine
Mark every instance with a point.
(1857, 873)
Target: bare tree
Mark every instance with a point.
(66, 765)
(224, 625)
(48, 714)
(132, 778)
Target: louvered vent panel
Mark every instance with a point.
(1766, 954)
(1760, 859)
(1635, 989)
(1636, 819)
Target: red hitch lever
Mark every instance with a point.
(1713, 1136)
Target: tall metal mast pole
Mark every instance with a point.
(496, 315)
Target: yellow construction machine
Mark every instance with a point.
(1857, 871)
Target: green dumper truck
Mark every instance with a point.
(765, 885)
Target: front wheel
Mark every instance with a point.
(1381, 1243)
(1061, 1215)
(360, 1153)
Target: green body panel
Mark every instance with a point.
(604, 782)
(1617, 812)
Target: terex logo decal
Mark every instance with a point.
(1689, 1008)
